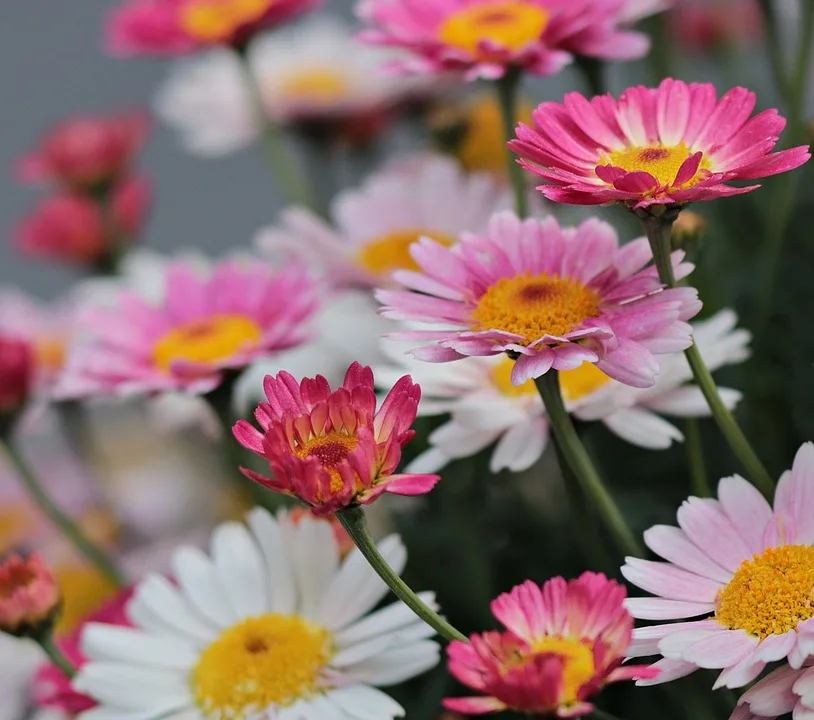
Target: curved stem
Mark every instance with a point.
(581, 465)
(72, 532)
(353, 520)
(56, 656)
(658, 231)
(695, 458)
(507, 99)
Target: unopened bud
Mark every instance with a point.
(687, 230)
(30, 599)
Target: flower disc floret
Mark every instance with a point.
(669, 145)
(553, 297)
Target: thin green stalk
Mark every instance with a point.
(353, 520)
(507, 88)
(592, 71)
(72, 532)
(695, 458)
(658, 231)
(581, 465)
(55, 655)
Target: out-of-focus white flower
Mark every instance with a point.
(18, 660)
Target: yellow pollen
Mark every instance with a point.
(383, 255)
(501, 376)
(211, 340)
(264, 661)
(84, 589)
(511, 24)
(582, 381)
(50, 353)
(533, 306)
(330, 450)
(770, 594)
(317, 85)
(214, 20)
(578, 664)
(661, 162)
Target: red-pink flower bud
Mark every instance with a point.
(30, 599)
(17, 368)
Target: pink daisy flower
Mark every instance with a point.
(486, 37)
(554, 297)
(175, 27)
(29, 597)
(786, 690)
(332, 448)
(205, 326)
(564, 642)
(677, 143)
(744, 568)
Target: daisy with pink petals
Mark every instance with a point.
(484, 38)
(674, 144)
(553, 297)
(743, 569)
(785, 690)
(205, 325)
(564, 641)
(333, 449)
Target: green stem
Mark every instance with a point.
(592, 71)
(507, 87)
(56, 656)
(695, 458)
(353, 520)
(658, 231)
(580, 463)
(72, 532)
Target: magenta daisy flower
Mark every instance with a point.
(554, 297)
(745, 570)
(564, 642)
(486, 37)
(333, 449)
(677, 143)
(205, 325)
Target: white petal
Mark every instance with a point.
(129, 687)
(360, 651)
(198, 578)
(643, 428)
(366, 703)
(521, 446)
(281, 589)
(315, 557)
(393, 667)
(428, 462)
(387, 620)
(240, 569)
(101, 641)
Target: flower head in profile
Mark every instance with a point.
(86, 153)
(784, 690)
(30, 598)
(176, 27)
(333, 448)
(204, 325)
(554, 297)
(376, 223)
(273, 624)
(739, 575)
(669, 145)
(484, 38)
(564, 641)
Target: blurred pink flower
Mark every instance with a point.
(708, 24)
(29, 596)
(17, 372)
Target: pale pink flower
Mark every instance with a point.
(745, 570)
(785, 690)
(333, 449)
(205, 325)
(175, 27)
(486, 37)
(556, 297)
(29, 596)
(677, 143)
(564, 641)
(86, 152)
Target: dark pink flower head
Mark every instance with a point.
(52, 688)
(333, 448)
(553, 297)
(564, 641)
(710, 24)
(71, 227)
(86, 152)
(486, 37)
(176, 27)
(18, 368)
(29, 596)
(673, 144)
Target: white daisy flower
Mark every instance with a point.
(485, 407)
(375, 224)
(269, 626)
(315, 71)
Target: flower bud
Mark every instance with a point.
(30, 599)
(17, 368)
(687, 230)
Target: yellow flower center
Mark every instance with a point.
(770, 594)
(501, 377)
(383, 255)
(214, 20)
(511, 24)
(533, 306)
(661, 162)
(84, 589)
(578, 664)
(15, 522)
(50, 353)
(264, 661)
(320, 85)
(330, 450)
(582, 381)
(212, 340)
(483, 146)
